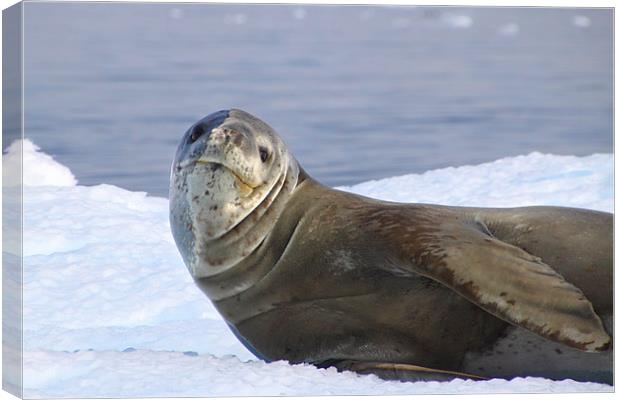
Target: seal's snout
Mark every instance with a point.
(220, 136)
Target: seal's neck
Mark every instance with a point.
(303, 175)
(226, 251)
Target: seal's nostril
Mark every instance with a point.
(218, 136)
(227, 135)
(237, 138)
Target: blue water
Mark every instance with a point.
(357, 92)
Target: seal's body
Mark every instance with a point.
(305, 273)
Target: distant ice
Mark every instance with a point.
(237, 19)
(176, 13)
(110, 310)
(581, 21)
(509, 29)
(299, 13)
(458, 21)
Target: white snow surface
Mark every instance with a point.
(39, 168)
(111, 311)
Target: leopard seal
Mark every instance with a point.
(305, 273)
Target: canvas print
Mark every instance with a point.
(287, 200)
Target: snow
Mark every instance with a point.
(47, 172)
(534, 179)
(110, 310)
(148, 373)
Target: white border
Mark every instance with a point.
(460, 3)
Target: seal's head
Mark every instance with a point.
(229, 166)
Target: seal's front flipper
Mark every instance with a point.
(504, 280)
(402, 372)
(576, 243)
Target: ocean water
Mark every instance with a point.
(357, 92)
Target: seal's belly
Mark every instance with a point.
(519, 352)
(410, 320)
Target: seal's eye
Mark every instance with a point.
(264, 153)
(196, 133)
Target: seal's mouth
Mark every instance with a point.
(245, 188)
